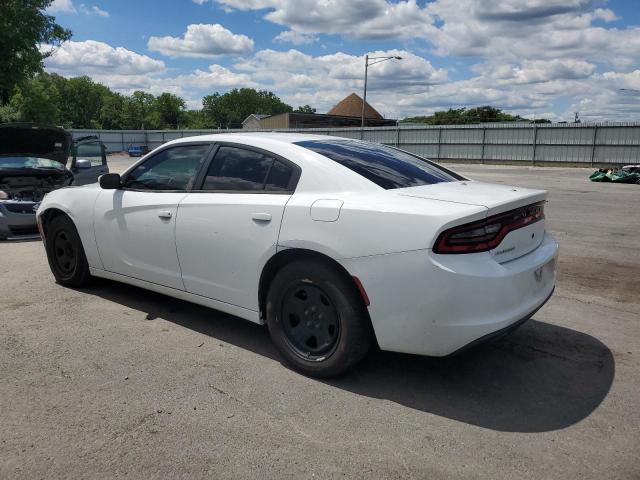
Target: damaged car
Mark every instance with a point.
(33, 162)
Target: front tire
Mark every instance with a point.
(65, 253)
(317, 319)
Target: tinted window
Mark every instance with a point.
(237, 169)
(90, 151)
(171, 169)
(386, 167)
(279, 177)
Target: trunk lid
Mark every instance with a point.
(29, 140)
(496, 199)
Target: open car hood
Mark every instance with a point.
(30, 140)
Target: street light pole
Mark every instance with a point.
(364, 98)
(366, 71)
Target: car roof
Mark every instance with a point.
(283, 137)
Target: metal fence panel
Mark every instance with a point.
(617, 154)
(508, 152)
(592, 143)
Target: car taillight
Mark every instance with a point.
(488, 233)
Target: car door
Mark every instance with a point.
(89, 161)
(228, 227)
(135, 225)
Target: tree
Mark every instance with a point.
(230, 109)
(170, 109)
(37, 101)
(138, 110)
(195, 119)
(305, 109)
(462, 116)
(112, 114)
(24, 26)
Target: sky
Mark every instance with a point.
(535, 58)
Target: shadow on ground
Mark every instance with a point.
(542, 377)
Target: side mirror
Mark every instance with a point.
(82, 164)
(110, 181)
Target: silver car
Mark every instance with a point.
(33, 162)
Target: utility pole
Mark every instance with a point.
(366, 70)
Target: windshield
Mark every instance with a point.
(29, 162)
(385, 166)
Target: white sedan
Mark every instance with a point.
(334, 243)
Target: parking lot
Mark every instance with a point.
(115, 381)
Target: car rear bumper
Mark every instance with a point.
(18, 226)
(430, 304)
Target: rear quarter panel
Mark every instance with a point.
(369, 224)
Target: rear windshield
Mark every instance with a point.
(385, 166)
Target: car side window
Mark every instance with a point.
(171, 169)
(238, 169)
(279, 178)
(91, 151)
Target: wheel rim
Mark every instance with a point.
(64, 252)
(310, 321)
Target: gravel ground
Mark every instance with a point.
(114, 381)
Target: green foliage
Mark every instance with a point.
(305, 109)
(463, 116)
(37, 101)
(170, 109)
(230, 109)
(80, 102)
(24, 26)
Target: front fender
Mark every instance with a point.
(77, 203)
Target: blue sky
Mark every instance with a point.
(538, 58)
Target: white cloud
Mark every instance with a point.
(354, 18)
(93, 10)
(202, 41)
(98, 11)
(61, 6)
(98, 58)
(296, 38)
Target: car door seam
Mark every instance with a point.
(282, 221)
(93, 225)
(175, 239)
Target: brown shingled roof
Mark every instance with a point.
(351, 106)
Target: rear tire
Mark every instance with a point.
(65, 253)
(317, 319)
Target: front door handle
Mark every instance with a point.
(164, 214)
(261, 217)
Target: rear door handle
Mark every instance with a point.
(164, 214)
(261, 217)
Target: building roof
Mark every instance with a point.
(351, 106)
(257, 116)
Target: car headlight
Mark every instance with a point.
(3, 195)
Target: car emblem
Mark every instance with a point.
(538, 274)
(35, 207)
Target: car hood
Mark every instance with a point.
(29, 140)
